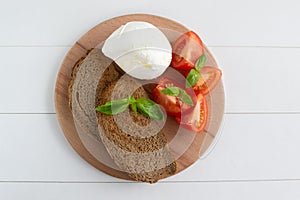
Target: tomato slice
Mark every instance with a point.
(186, 51)
(196, 119)
(173, 105)
(208, 80)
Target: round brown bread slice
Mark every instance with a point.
(83, 85)
(135, 142)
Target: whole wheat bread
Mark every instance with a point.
(82, 88)
(140, 149)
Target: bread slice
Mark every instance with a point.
(135, 142)
(83, 85)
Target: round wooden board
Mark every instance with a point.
(91, 39)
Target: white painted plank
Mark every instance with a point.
(231, 22)
(260, 79)
(115, 191)
(256, 79)
(251, 147)
(27, 78)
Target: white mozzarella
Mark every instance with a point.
(140, 49)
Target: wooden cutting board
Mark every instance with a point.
(98, 34)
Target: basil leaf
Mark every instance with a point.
(185, 98)
(134, 108)
(172, 91)
(131, 100)
(149, 108)
(114, 107)
(201, 62)
(192, 78)
(178, 92)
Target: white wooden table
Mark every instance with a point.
(257, 44)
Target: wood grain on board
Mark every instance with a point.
(90, 40)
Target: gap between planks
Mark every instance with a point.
(161, 182)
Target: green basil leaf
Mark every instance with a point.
(114, 107)
(172, 91)
(178, 92)
(149, 108)
(201, 62)
(134, 108)
(132, 103)
(192, 78)
(185, 98)
(132, 100)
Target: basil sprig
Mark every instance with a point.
(180, 93)
(145, 106)
(194, 75)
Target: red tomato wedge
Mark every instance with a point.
(173, 105)
(196, 119)
(186, 51)
(208, 80)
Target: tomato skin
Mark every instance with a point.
(196, 119)
(172, 105)
(186, 51)
(210, 76)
